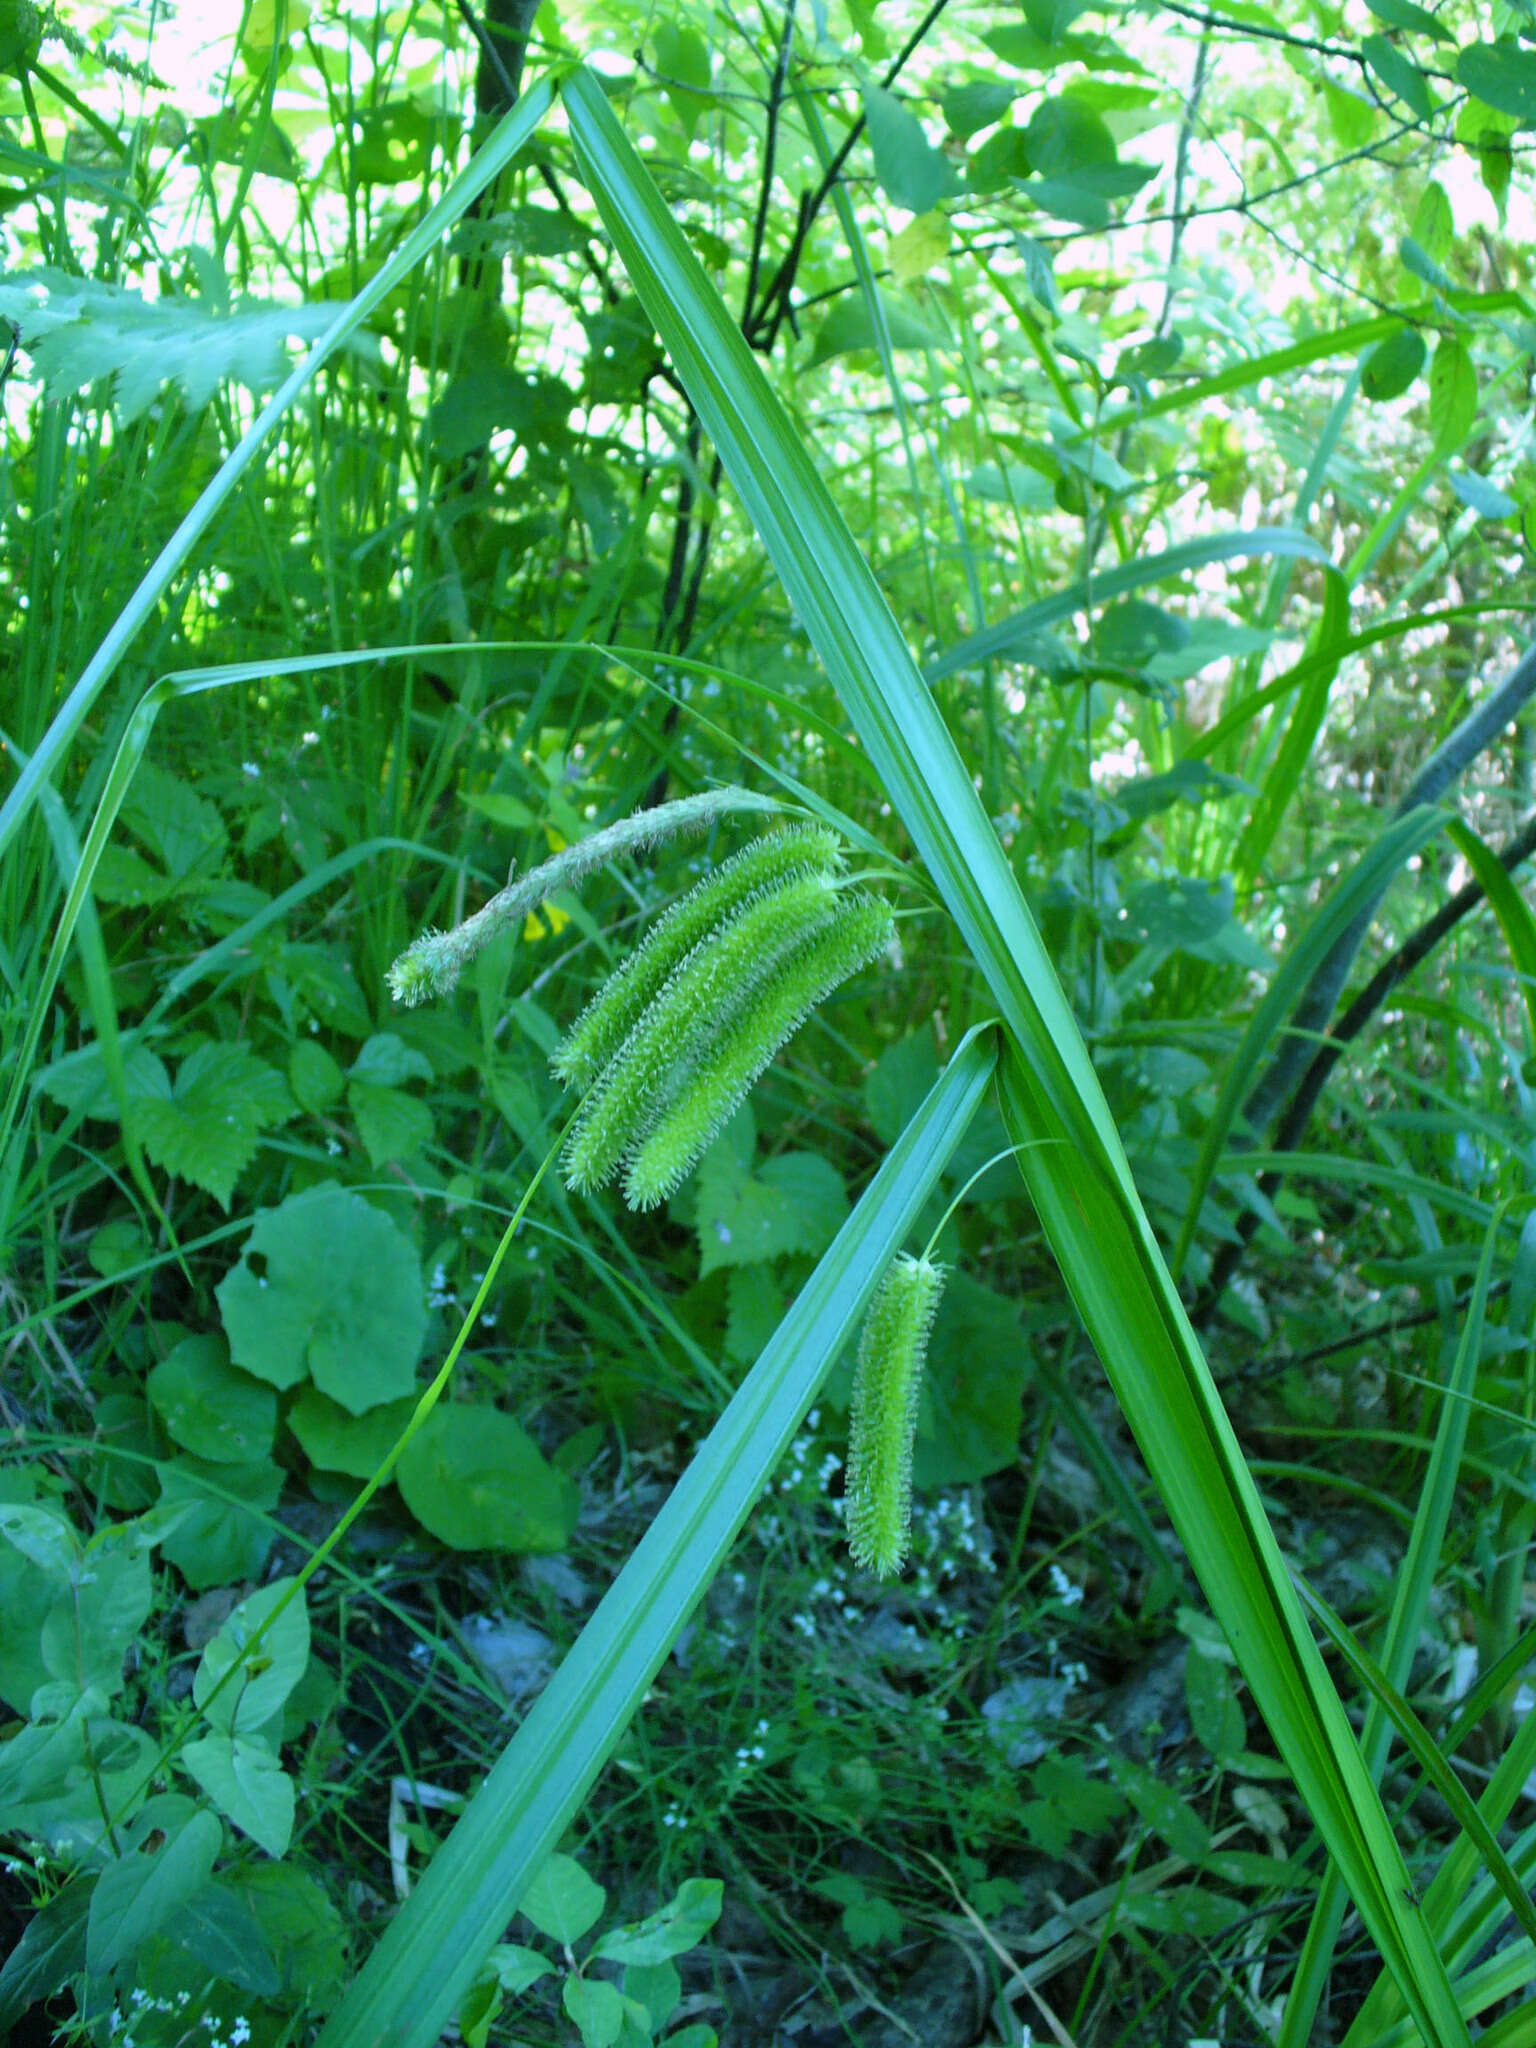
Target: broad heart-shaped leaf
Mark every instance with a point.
(204, 1126)
(254, 1662)
(476, 1480)
(211, 1408)
(220, 1541)
(561, 1901)
(330, 1289)
(911, 171)
(138, 1892)
(978, 1366)
(792, 1203)
(1502, 75)
(247, 1784)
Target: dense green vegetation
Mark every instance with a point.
(1068, 469)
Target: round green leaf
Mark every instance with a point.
(209, 1406)
(338, 1442)
(327, 1289)
(476, 1480)
(219, 1540)
(1392, 365)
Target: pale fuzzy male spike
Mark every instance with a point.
(432, 966)
(882, 1422)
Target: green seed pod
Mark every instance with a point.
(883, 1420)
(614, 1011)
(723, 973)
(782, 999)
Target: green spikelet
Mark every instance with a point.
(783, 997)
(883, 1419)
(613, 1013)
(723, 972)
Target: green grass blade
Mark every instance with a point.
(1106, 584)
(1361, 889)
(1074, 1165)
(431, 1950)
(1412, 1590)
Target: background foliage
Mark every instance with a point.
(1171, 368)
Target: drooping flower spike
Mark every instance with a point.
(882, 1422)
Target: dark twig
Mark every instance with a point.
(775, 303)
(1415, 949)
(776, 86)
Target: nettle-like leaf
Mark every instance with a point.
(327, 1289)
(205, 1125)
(883, 1419)
(793, 1203)
(79, 331)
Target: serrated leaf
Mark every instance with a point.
(387, 1061)
(794, 1203)
(205, 1125)
(79, 1080)
(327, 1288)
(315, 1078)
(912, 173)
(392, 1125)
(81, 332)
(181, 829)
(978, 1367)
(248, 1785)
